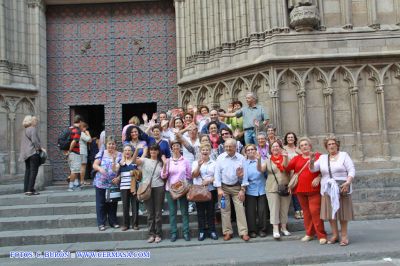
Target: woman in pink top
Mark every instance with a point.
(177, 169)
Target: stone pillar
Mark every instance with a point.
(285, 14)
(322, 26)
(21, 32)
(187, 30)
(180, 35)
(380, 97)
(373, 15)
(253, 17)
(397, 12)
(192, 24)
(13, 164)
(3, 30)
(327, 92)
(266, 16)
(358, 149)
(347, 19)
(243, 19)
(273, 4)
(301, 94)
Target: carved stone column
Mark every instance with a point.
(276, 114)
(373, 15)
(380, 99)
(304, 18)
(301, 94)
(327, 92)
(322, 26)
(347, 17)
(13, 169)
(358, 149)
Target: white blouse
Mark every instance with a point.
(341, 168)
(206, 173)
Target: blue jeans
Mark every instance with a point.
(296, 203)
(250, 136)
(105, 209)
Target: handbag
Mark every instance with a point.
(43, 156)
(295, 177)
(198, 193)
(136, 176)
(179, 189)
(283, 190)
(338, 182)
(113, 195)
(144, 190)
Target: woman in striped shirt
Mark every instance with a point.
(129, 200)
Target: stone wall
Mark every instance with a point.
(22, 78)
(319, 67)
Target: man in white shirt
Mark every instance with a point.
(228, 181)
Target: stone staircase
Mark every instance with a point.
(57, 219)
(60, 219)
(376, 194)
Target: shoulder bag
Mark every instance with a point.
(113, 194)
(144, 190)
(295, 178)
(283, 190)
(179, 189)
(338, 182)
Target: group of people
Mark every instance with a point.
(237, 156)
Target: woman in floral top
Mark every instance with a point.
(107, 166)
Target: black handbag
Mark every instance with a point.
(283, 190)
(43, 156)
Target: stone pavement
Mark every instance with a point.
(371, 242)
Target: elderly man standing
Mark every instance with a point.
(213, 117)
(228, 181)
(252, 115)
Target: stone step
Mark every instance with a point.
(138, 244)
(92, 234)
(70, 221)
(6, 189)
(386, 209)
(377, 178)
(48, 209)
(376, 194)
(86, 195)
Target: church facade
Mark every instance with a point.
(318, 66)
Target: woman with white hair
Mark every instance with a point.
(30, 150)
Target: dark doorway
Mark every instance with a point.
(129, 110)
(93, 115)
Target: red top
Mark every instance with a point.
(306, 176)
(75, 137)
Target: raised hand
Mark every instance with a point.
(144, 117)
(154, 116)
(256, 123)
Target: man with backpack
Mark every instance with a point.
(73, 152)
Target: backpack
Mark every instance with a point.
(64, 140)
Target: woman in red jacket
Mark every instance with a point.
(308, 192)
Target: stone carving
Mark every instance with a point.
(304, 16)
(297, 3)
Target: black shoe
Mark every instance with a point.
(186, 237)
(262, 234)
(253, 235)
(173, 238)
(202, 236)
(213, 236)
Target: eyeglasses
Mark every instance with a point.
(225, 134)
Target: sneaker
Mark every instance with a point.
(70, 189)
(78, 188)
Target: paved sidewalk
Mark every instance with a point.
(370, 241)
